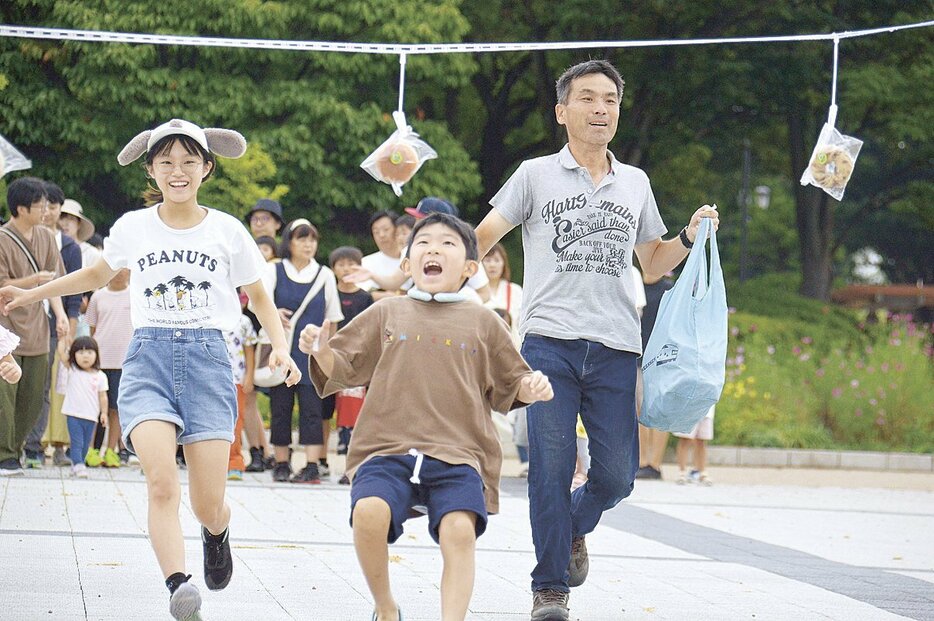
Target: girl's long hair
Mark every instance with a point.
(153, 195)
(84, 342)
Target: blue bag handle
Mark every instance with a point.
(695, 270)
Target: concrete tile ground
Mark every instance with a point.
(759, 544)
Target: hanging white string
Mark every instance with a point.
(31, 32)
(832, 112)
(401, 79)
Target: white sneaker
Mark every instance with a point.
(79, 471)
(11, 468)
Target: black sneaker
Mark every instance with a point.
(308, 475)
(580, 562)
(648, 472)
(124, 455)
(344, 480)
(256, 460)
(218, 563)
(549, 605)
(11, 468)
(323, 468)
(282, 472)
(269, 462)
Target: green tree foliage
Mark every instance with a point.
(72, 106)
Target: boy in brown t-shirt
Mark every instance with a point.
(434, 445)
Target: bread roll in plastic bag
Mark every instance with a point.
(399, 157)
(832, 161)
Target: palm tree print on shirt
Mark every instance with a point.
(183, 298)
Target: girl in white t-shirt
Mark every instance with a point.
(84, 385)
(186, 262)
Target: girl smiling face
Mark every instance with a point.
(179, 167)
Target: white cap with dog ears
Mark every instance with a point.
(223, 142)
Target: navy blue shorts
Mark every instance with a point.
(444, 488)
(113, 386)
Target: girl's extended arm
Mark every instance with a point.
(10, 371)
(85, 279)
(268, 317)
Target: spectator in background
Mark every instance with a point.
(72, 222)
(297, 278)
(404, 225)
(265, 218)
(52, 428)
(652, 442)
(111, 326)
(267, 245)
(24, 246)
(384, 263)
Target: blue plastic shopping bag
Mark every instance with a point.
(684, 363)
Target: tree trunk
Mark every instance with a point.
(814, 218)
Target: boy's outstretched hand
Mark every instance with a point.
(310, 341)
(535, 387)
(314, 342)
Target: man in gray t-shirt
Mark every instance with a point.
(583, 215)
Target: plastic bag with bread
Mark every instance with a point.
(832, 160)
(398, 159)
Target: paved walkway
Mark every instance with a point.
(750, 547)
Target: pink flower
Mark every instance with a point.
(731, 310)
(854, 383)
(880, 421)
(796, 350)
(770, 349)
(868, 349)
(858, 412)
(859, 364)
(752, 328)
(819, 372)
(884, 367)
(734, 331)
(740, 350)
(873, 402)
(836, 392)
(806, 340)
(804, 357)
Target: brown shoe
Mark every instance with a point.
(549, 605)
(580, 563)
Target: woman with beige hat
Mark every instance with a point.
(75, 224)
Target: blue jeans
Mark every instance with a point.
(81, 432)
(599, 383)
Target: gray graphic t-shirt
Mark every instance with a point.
(578, 242)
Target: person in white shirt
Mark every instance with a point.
(186, 262)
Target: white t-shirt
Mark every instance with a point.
(184, 278)
(381, 264)
(82, 391)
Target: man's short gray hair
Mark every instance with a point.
(588, 67)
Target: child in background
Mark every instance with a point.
(108, 316)
(84, 385)
(241, 347)
(268, 247)
(354, 301)
(10, 370)
(433, 443)
(404, 224)
(697, 438)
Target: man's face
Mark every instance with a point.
(384, 234)
(437, 260)
(591, 113)
(263, 223)
(34, 215)
(52, 215)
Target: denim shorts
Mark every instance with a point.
(444, 488)
(181, 376)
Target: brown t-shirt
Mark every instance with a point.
(30, 323)
(435, 371)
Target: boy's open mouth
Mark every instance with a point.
(432, 268)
